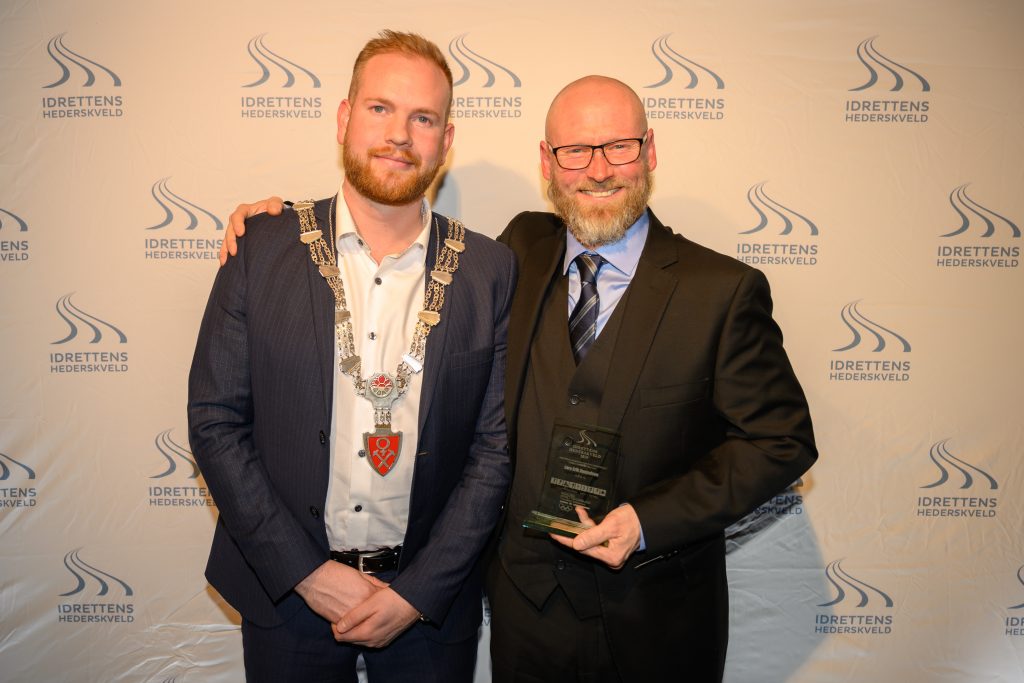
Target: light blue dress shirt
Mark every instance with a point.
(615, 275)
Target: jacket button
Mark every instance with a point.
(560, 565)
(358, 508)
(323, 437)
(362, 453)
(575, 399)
(314, 510)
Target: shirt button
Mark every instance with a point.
(560, 565)
(358, 508)
(575, 399)
(377, 280)
(372, 336)
(323, 437)
(313, 510)
(360, 242)
(362, 453)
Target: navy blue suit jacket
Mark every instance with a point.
(260, 403)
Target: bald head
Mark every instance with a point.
(595, 106)
(600, 201)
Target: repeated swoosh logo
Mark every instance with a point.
(22, 225)
(874, 61)
(171, 449)
(1020, 577)
(463, 57)
(71, 313)
(857, 323)
(82, 570)
(765, 206)
(5, 470)
(265, 58)
(174, 204)
(65, 58)
(671, 61)
(849, 588)
(971, 212)
(946, 461)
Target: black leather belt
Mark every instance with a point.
(369, 561)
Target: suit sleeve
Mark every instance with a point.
(435, 577)
(768, 441)
(220, 417)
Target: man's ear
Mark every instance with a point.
(344, 111)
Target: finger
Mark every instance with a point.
(273, 205)
(353, 618)
(585, 519)
(564, 540)
(593, 537)
(374, 580)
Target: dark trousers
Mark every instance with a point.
(550, 645)
(303, 650)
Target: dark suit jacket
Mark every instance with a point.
(260, 397)
(713, 423)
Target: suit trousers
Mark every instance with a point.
(549, 645)
(303, 650)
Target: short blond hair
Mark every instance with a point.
(411, 44)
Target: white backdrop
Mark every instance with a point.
(867, 155)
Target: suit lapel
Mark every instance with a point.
(535, 278)
(434, 352)
(322, 303)
(649, 293)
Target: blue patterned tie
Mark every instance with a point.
(583, 321)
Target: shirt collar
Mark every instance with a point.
(623, 255)
(347, 226)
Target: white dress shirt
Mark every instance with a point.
(365, 510)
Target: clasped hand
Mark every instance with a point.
(362, 609)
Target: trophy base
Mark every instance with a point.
(538, 521)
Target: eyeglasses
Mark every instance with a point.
(616, 153)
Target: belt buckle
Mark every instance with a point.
(370, 556)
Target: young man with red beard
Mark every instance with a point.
(345, 403)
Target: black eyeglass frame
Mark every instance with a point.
(594, 148)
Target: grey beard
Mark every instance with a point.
(597, 228)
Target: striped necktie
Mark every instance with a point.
(583, 321)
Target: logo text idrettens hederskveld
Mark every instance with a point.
(865, 607)
(275, 100)
(873, 108)
(484, 89)
(695, 80)
(105, 102)
(960, 489)
(16, 490)
(84, 328)
(991, 234)
(182, 486)
(867, 339)
(13, 237)
(799, 247)
(84, 606)
(175, 237)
